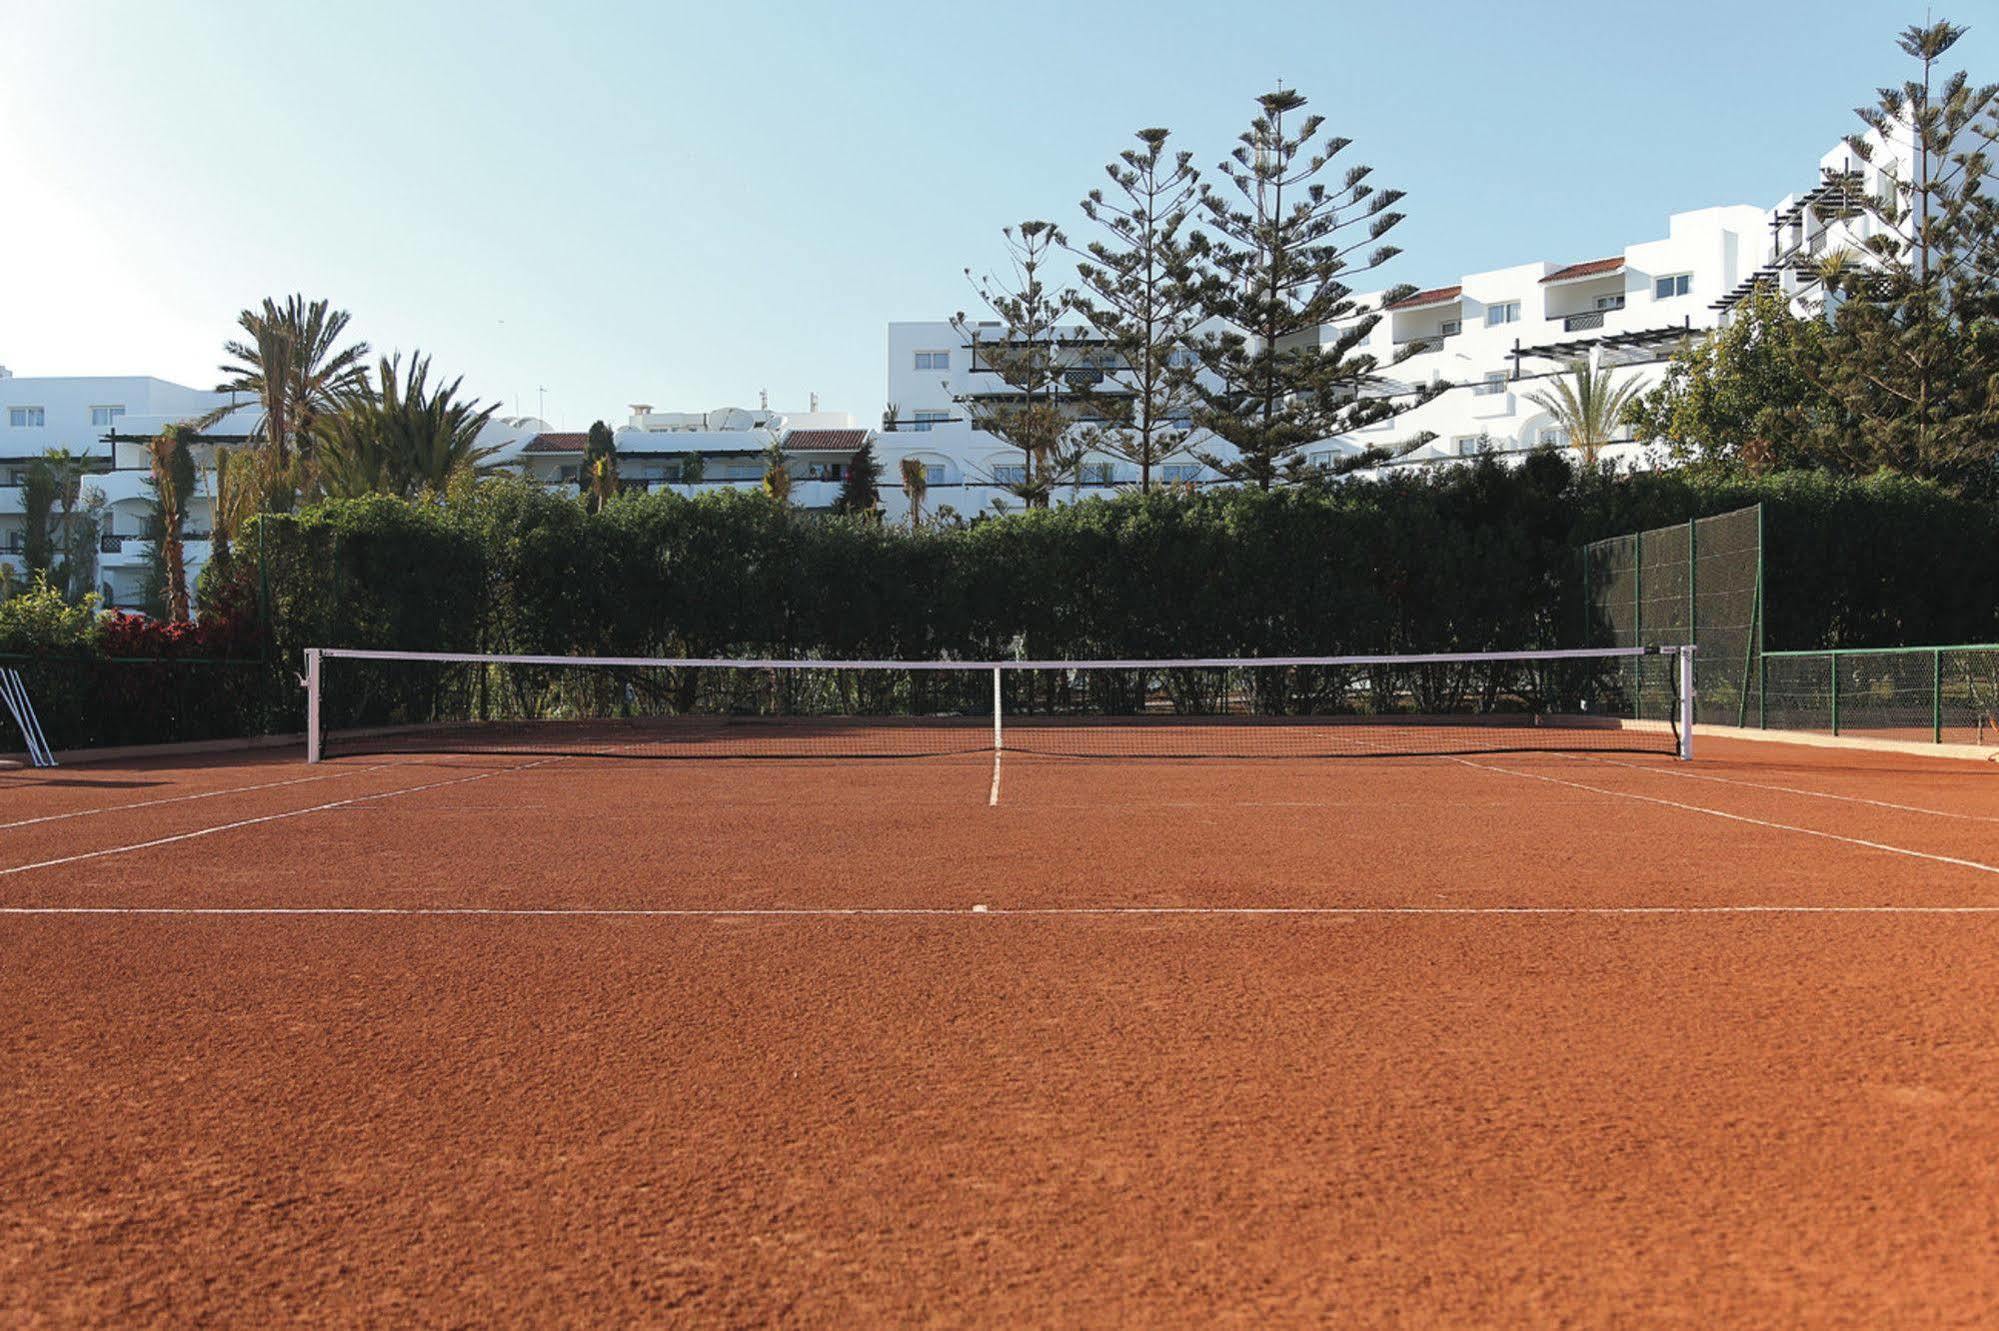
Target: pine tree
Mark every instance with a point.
(1275, 272)
(1914, 363)
(860, 489)
(1036, 403)
(1140, 294)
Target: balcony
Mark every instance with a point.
(1590, 319)
(1419, 346)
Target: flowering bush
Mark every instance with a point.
(41, 620)
(129, 635)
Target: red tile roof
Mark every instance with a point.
(557, 443)
(825, 441)
(1594, 268)
(1434, 296)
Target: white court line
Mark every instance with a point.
(1790, 790)
(200, 795)
(268, 818)
(981, 912)
(1738, 817)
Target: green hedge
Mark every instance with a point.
(1478, 557)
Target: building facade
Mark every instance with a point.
(106, 420)
(1494, 339)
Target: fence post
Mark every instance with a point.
(1832, 659)
(1936, 695)
(1693, 601)
(1638, 618)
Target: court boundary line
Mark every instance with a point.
(198, 795)
(1789, 790)
(981, 911)
(266, 818)
(1738, 817)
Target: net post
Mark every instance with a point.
(1686, 658)
(312, 704)
(998, 739)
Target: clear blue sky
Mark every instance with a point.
(681, 204)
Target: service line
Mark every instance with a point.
(198, 795)
(1882, 846)
(267, 818)
(977, 912)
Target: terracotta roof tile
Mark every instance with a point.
(1594, 268)
(557, 443)
(825, 441)
(1434, 296)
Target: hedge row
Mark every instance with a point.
(1479, 557)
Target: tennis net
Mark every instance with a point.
(1301, 707)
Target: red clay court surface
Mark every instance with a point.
(1521, 1039)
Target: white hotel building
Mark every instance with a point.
(107, 419)
(1495, 337)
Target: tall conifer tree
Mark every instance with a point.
(1140, 294)
(1914, 369)
(1023, 389)
(1283, 251)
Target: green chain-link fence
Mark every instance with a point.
(1943, 695)
(1700, 582)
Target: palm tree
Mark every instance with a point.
(1589, 406)
(234, 499)
(601, 481)
(916, 486)
(173, 486)
(292, 365)
(777, 475)
(410, 439)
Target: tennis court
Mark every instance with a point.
(1510, 1034)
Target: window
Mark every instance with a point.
(103, 416)
(1494, 383)
(16, 478)
(568, 475)
(1010, 473)
(926, 419)
(933, 360)
(1451, 328)
(1505, 312)
(1182, 358)
(26, 418)
(1468, 445)
(1610, 302)
(1666, 288)
(1097, 473)
(1552, 437)
(1180, 473)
